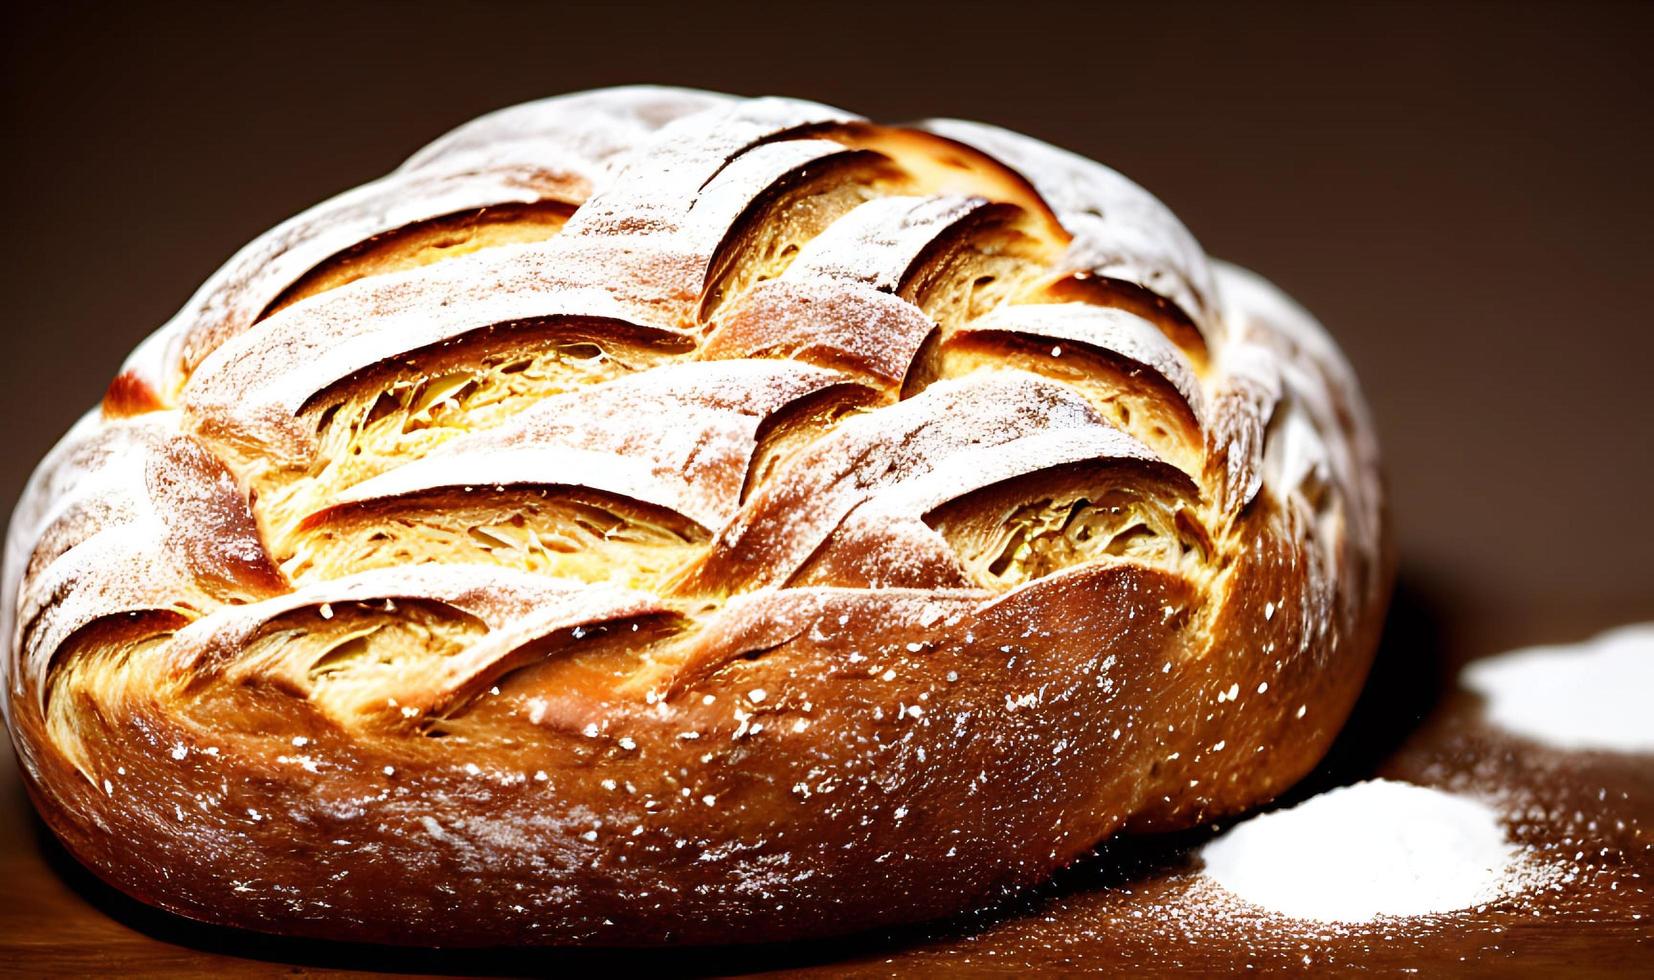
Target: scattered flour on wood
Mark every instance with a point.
(1587, 696)
(1375, 849)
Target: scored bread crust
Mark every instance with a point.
(656, 516)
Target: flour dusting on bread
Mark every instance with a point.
(651, 515)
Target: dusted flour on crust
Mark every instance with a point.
(654, 516)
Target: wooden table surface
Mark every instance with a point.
(1129, 907)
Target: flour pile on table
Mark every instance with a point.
(1588, 696)
(1378, 848)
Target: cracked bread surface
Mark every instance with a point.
(657, 516)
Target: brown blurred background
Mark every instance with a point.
(1460, 192)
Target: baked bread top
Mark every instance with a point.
(668, 515)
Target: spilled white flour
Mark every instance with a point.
(1379, 848)
(1587, 696)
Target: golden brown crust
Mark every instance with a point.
(760, 523)
(130, 394)
(433, 240)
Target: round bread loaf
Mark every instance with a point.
(656, 516)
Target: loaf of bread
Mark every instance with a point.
(655, 516)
